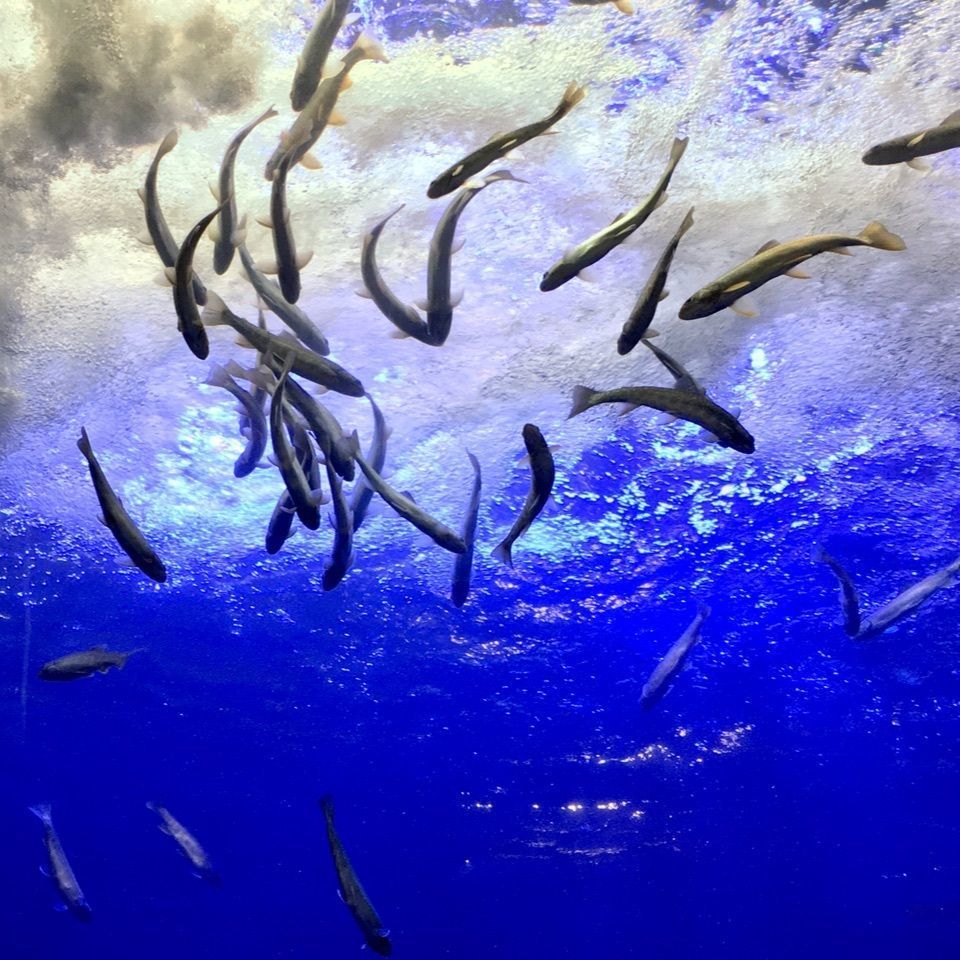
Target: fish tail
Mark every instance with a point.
(875, 234)
(353, 443)
(581, 400)
(83, 443)
(217, 377)
(687, 222)
(371, 49)
(214, 313)
(152, 806)
(326, 805)
(503, 552)
(44, 811)
(571, 97)
(703, 609)
(677, 150)
(168, 142)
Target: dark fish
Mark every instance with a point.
(84, 664)
(922, 143)
(542, 476)
(60, 870)
(670, 665)
(256, 430)
(289, 264)
(341, 558)
(316, 49)
(376, 456)
(638, 323)
(376, 936)
(463, 565)
(685, 404)
(849, 600)
(500, 145)
(117, 520)
(683, 380)
(188, 844)
(281, 521)
(600, 244)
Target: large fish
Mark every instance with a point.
(306, 363)
(906, 149)
(306, 331)
(439, 533)
(187, 842)
(116, 519)
(402, 315)
(638, 323)
(60, 870)
(288, 262)
(463, 565)
(440, 302)
(316, 49)
(542, 475)
(670, 665)
(341, 559)
(157, 229)
(181, 276)
(84, 664)
(376, 456)
(683, 404)
(375, 934)
(256, 431)
(497, 147)
(600, 244)
(228, 232)
(780, 259)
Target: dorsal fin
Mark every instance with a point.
(952, 119)
(769, 245)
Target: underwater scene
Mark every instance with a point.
(479, 479)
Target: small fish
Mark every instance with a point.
(60, 870)
(84, 664)
(302, 326)
(187, 843)
(600, 244)
(117, 520)
(439, 302)
(228, 231)
(404, 317)
(375, 935)
(316, 49)
(542, 475)
(341, 558)
(778, 259)
(463, 565)
(376, 456)
(441, 535)
(281, 521)
(684, 404)
(906, 149)
(670, 665)
(624, 6)
(181, 275)
(306, 363)
(157, 228)
(500, 145)
(683, 379)
(289, 264)
(849, 600)
(638, 323)
(256, 432)
(305, 499)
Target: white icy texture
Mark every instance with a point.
(862, 353)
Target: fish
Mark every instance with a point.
(316, 49)
(281, 520)
(902, 604)
(181, 275)
(501, 144)
(157, 229)
(670, 665)
(376, 456)
(849, 599)
(86, 663)
(375, 934)
(228, 232)
(306, 331)
(306, 363)
(439, 302)
(463, 565)
(439, 533)
(638, 323)
(921, 143)
(321, 110)
(257, 431)
(305, 499)
(684, 404)
(289, 263)
(188, 844)
(60, 870)
(341, 558)
(403, 316)
(601, 243)
(682, 378)
(542, 476)
(775, 259)
(116, 519)
(624, 6)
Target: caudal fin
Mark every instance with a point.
(326, 805)
(503, 552)
(677, 150)
(372, 49)
(215, 312)
(582, 397)
(84, 443)
(571, 97)
(168, 143)
(218, 376)
(43, 811)
(875, 234)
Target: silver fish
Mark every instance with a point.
(116, 519)
(778, 259)
(922, 143)
(670, 665)
(316, 49)
(463, 565)
(376, 456)
(60, 870)
(601, 243)
(186, 841)
(542, 475)
(84, 664)
(257, 429)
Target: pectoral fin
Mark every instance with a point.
(744, 309)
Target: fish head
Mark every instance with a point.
(739, 440)
(153, 567)
(444, 184)
(701, 304)
(556, 276)
(379, 942)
